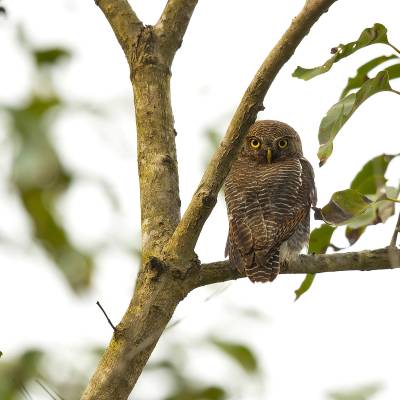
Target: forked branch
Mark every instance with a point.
(183, 241)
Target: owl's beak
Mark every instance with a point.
(269, 155)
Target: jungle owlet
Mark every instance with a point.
(269, 191)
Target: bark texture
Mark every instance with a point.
(170, 269)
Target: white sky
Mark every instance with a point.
(345, 331)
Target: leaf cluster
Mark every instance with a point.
(369, 200)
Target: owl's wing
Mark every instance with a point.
(292, 192)
(266, 212)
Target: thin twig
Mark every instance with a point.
(25, 392)
(105, 314)
(395, 233)
(42, 385)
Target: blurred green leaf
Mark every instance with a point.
(339, 113)
(17, 372)
(208, 393)
(240, 353)
(39, 179)
(49, 232)
(50, 56)
(371, 177)
(369, 36)
(362, 73)
(362, 393)
(213, 138)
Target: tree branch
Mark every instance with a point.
(183, 241)
(124, 22)
(368, 260)
(172, 25)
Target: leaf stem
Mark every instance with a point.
(395, 233)
(394, 200)
(394, 48)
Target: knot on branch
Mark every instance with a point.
(157, 266)
(207, 199)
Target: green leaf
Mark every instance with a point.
(353, 234)
(190, 393)
(362, 73)
(343, 206)
(393, 71)
(361, 393)
(349, 207)
(212, 393)
(339, 113)
(371, 177)
(371, 181)
(320, 239)
(378, 211)
(241, 354)
(369, 36)
(305, 285)
(50, 56)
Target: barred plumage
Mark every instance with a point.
(269, 192)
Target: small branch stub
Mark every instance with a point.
(105, 314)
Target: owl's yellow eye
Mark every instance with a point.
(282, 143)
(255, 143)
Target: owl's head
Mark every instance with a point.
(271, 141)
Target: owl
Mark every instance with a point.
(268, 191)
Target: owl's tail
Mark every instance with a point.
(261, 266)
